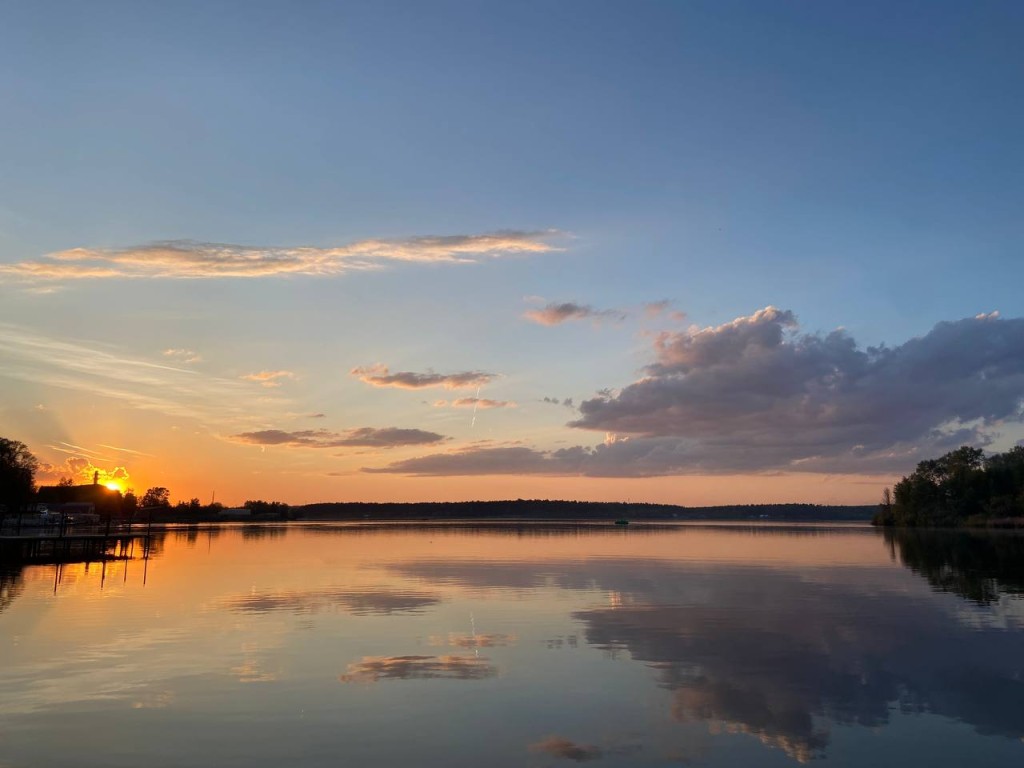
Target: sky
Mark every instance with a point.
(682, 252)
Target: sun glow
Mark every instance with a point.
(114, 486)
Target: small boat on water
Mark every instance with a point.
(622, 522)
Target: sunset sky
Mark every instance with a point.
(687, 252)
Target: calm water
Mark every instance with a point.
(509, 646)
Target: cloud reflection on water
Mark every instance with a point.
(781, 655)
(466, 640)
(359, 602)
(562, 748)
(372, 669)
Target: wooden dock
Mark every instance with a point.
(68, 548)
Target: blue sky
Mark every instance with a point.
(856, 164)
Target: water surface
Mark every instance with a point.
(532, 645)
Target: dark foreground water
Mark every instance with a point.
(520, 646)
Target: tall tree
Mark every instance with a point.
(157, 496)
(18, 469)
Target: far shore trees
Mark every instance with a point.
(961, 488)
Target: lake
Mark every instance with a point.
(531, 645)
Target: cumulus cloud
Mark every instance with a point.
(360, 437)
(81, 470)
(806, 400)
(178, 259)
(269, 378)
(755, 394)
(558, 313)
(380, 376)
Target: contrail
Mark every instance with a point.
(476, 402)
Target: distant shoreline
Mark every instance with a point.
(526, 510)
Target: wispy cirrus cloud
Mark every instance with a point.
(102, 370)
(558, 313)
(360, 437)
(380, 376)
(269, 379)
(189, 259)
(475, 402)
(124, 450)
(183, 355)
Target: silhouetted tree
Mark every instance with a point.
(157, 496)
(276, 508)
(959, 487)
(18, 469)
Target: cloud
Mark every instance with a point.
(475, 402)
(562, 748)
(558, 313)
(655, 309)
(756, 395)
(374, 668)
(481, 640)
(839, 654)
(755, 392)
(177, 259)
(359, 437)
(124, 450)
(614, 458)
(514, 460)
(103, 371)
(269, 378)
(183, 355)
(565, 403)
(380, 376)
(82, 471)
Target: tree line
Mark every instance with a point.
(964, 487)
